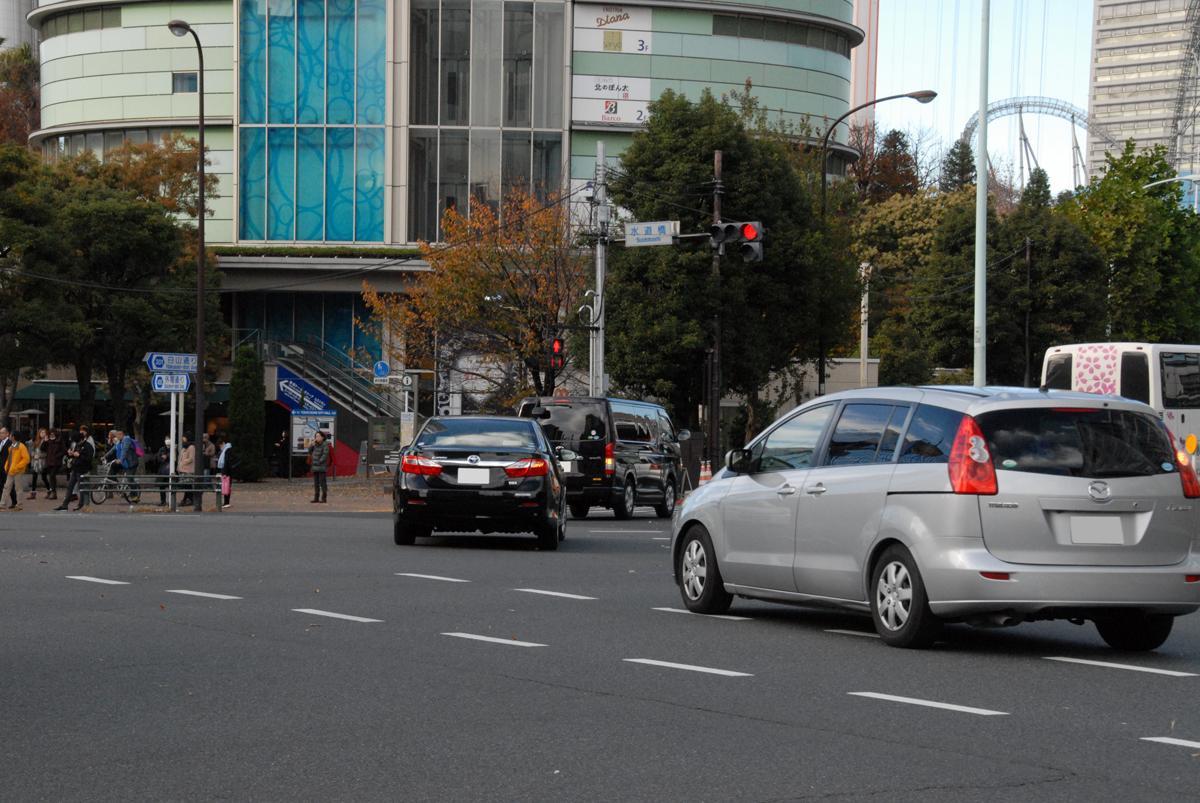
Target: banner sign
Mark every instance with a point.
(299, 394)
(612, 29)
(306, 425)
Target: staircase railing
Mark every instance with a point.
(343, 376)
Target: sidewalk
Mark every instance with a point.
(357, 495)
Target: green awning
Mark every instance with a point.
(40, 390)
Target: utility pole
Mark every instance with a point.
(714, 392)
(981, 182)
(602, 215)
(1028, 307)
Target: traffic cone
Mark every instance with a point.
(705, 471)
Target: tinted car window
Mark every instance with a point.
(633, 422)
(891, 435)
(573, 423)
(666, 428)
(1180, 379)
(1135, 376)
(794, 443)
(1078, 442)
(930, 435)
(495, 433)
(1058, 372)
(857, 435)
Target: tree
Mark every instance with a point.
(501, 287)
(20, 105)
(958, 167)
(247, 418)
(888, 167)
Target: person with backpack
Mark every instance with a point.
(126, 454)
(15, 466)
(81, 454)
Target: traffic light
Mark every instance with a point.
(748, 237)
(556, 353)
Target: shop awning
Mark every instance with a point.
(40, 390)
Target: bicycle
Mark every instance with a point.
(116, 483)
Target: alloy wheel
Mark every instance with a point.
(893, 595)
(695, 569)
(629, 498)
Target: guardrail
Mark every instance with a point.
(96, 489)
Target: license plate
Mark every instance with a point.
(566, 466)
(474, 476)
(1097, 530)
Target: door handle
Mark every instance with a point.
(785, 490)
(816, 490)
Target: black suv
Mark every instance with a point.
(628, 452)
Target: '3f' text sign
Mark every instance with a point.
(612, 29)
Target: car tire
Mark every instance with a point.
(548, 535)
(406, 534)
(899, 604)
(1135, 631)
(579, 510)
(700, 582)
(623, 507)
(667, 508)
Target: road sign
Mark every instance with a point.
(382, 369)
(654, 232)
(171, 383)
(383, 380)
(161, 361)
(407, 381)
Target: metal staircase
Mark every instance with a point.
(349, 383)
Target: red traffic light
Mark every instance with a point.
(750, 232)
(557, 346)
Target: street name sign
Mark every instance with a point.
(171, 383)
(163, 361)
(653, 232)
(383, 380)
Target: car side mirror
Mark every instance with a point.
(565, 454)
(739, 461)
(683, 435)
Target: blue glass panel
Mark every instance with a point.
(308, 317)
(372, 60)
(249, 310)
(367, 348)
(310, 184)
(281, 62)
(253, 61)
(252, 187)
(310, 62)
(281, 183)
(340, 92)
(279, 316)
(339, 184)
(339, 320)
(368, 185)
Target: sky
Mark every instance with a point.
(1037, 47)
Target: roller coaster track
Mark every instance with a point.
(1187, 99)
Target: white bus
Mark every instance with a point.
(1164, 376)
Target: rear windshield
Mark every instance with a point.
(477, 432)
(1078, 442)
(575, 423)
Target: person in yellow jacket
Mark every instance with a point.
(15, 467)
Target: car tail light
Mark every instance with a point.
(610, 460)
(995, 575)
(1187, 475)
(1191, 578)
(971, 469)
(416, 464)
(529, 467)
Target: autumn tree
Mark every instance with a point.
(501, 286)
(20, 107)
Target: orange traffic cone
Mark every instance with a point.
(705, 471)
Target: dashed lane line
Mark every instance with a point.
(706, 615)
(962, 709)
(432, 577)
(333, 615)
(562, 594)
(708, 670)
(494, 640)
(1171, 741)
(101, 580)
(1130, 667)
(862, 633)
(205, 594)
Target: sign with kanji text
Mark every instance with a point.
(171, 383)
(653, 232)
(162, 361)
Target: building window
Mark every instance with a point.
(91, 19)
(748, 27)
(184, 82)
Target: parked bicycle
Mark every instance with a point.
(116, 483)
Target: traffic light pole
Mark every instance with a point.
(714, 390)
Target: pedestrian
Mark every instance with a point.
(81, 454)
(225, 466)
(209, 450)
(187, 465)
(5, 446)
(318, 458)
(164, 471)
(15, 466)
(37, 463)
(282, 456)
(56, 453)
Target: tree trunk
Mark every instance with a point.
(751, 416)
(8, 394)
(116, 394)
(87, 390)
(141, 408)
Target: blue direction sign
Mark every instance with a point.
(161, 361)
(171, 383)
(382, 369)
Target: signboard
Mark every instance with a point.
(612, 29)
(297, 393)
(610, 99)
(382, 369)
(171, 383)
(161, 361)
(306, 425)
(383, 380)
(654, 232)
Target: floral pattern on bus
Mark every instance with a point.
(1096, 368)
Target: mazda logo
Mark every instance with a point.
(1099, 491)
(473, 459)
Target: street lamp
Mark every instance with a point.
(181, 28)
(1192, 177)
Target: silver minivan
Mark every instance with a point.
(990, 506)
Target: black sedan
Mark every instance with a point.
(480, 474)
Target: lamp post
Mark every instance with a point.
(921, 96)
(181, 28)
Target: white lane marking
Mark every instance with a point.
(705, 615)
(562, 594)
(87, 579)
(432, 577)
(493, 640)
(964, 709)
(333, 615)
(1169, 740)
(199, 594)
(1108, 665)
(862, 633)
(689, 667)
